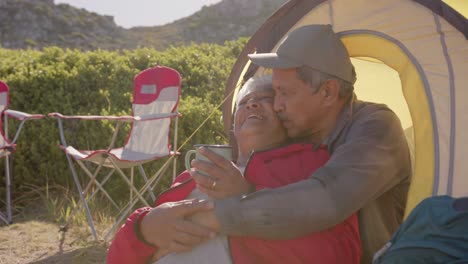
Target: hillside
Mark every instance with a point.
(39, 23)
(227, 20)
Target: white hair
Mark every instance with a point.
(263, 82)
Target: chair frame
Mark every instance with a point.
(10, 147)
(109, 160)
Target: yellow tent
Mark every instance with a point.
(411, 55)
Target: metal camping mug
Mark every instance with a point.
(222, 150)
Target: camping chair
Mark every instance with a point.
(8, 146)
(156, 94)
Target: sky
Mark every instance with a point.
(134, 13)
(131, 13)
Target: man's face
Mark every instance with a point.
(298, 106)
(255, 116)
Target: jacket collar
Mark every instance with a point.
(343, 120)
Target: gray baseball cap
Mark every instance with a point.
(314, 46)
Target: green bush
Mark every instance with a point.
(100, 82)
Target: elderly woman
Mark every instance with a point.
(168, 233)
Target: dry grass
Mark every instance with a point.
(35, 241)
(35, 236)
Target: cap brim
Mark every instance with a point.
(272, 60)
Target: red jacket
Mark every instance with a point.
(268, 169)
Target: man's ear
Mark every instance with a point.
(331, 92)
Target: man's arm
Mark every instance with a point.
(163, 229)
(366, 165)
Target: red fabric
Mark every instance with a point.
(340, 244)
(3, 87)
(269, 169)
(126, 248)
(181, 188)
(160, 76)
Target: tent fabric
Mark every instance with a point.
(425, 43)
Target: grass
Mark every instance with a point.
(38, 234)
(32, 241)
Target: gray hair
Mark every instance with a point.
(263, 82)
(316, 78)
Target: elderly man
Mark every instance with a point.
(166, 231)
(369, 170)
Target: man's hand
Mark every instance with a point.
(225, 178)
(166, 226)
(207, 219)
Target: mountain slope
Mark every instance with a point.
(227, 20)
(40, 23)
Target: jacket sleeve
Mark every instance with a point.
(126, 247)
(373, 158)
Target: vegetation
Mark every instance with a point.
(100, 83)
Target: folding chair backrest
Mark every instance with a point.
(4, 101)
(4, 97)
(156, 91)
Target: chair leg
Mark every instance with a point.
(93, 176)
(156, 177)
(3, 218)
(105, 192)
(83, 200)
(7, 216)
(8, 188)
(176, 132)
(128, 182)
(99, 185)
(143, 174)
(131, 181)
(123, 214)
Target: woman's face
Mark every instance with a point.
(255, 115)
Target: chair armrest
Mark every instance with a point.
(92, 117)
(155, 116)
(116, 118)
(21, 115)
(59, 118)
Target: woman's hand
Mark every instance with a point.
(225, 178)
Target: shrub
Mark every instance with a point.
(100, 82)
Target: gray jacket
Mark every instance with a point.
(369, 170)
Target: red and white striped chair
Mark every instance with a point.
(8, 146)
(156, 95)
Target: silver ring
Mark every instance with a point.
(213, 185)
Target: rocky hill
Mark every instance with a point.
(40, 23)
